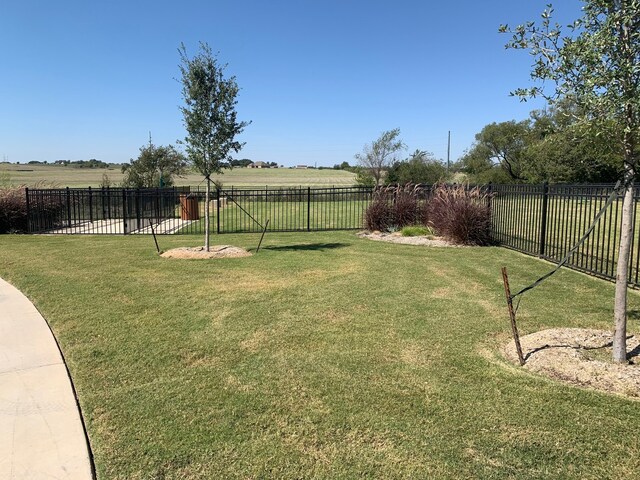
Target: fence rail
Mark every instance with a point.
(182, 210)
(542, 220)
(548, 220)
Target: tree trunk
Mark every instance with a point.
(206, 215)
(622, 269)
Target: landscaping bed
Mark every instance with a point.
(397, 237)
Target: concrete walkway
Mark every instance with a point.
(41, 433)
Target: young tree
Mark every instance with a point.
(154, 167)
(381, 153)
(596, 66)
(420, 167)
(565, 151)
(209, 115)
(504, 144)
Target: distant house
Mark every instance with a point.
(302, 166)
(259, 165)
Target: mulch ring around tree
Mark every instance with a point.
(396, 237)
(215, 251)
(580, 357)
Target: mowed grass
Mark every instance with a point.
(323, 356)
(282, 216)
(61, 176)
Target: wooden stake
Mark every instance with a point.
(512, 315)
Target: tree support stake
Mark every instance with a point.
(262, 236)
(512, 315)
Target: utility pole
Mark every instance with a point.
(449, 152)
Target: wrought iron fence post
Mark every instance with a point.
(90, 206)
(104, 209)
(543, 221)
(26, 193)
(68, 207)
(124, 211)
(308, 209)
(157, 203)
(137, 203)
(218, 209)
(109, 203)
(490, 208)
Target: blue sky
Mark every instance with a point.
(318, 79)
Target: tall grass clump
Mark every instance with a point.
(379, 213)
(405, 205)
(13, 210)
(460, 214)
(394, 207)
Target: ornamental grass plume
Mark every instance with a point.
(460, 214)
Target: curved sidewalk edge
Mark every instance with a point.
(41, 430)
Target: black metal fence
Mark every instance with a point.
(548, 220)
(99, 211)
(541, 220)
(182, 210)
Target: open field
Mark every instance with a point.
(323, 356)
(62, 176)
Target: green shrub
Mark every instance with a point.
(416, 231)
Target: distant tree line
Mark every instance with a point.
(243, 163)
(380, 163)
(550, 146)
(93, 163)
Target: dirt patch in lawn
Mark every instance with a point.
(580, 357)
(396, 237)
(215, 251)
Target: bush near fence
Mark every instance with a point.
(394, 207)
(457, 212)
(460, 214)
(13, 210)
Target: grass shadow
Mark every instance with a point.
(630, 355)
(633, 314)
(307, 247)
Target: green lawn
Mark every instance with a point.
(62, 176)
(282, 215)
(324, 356)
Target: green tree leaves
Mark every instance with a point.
(420, 167)
(596, 66)
(210, 117)
(209, 111)
(381, 153)
(154, 167)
